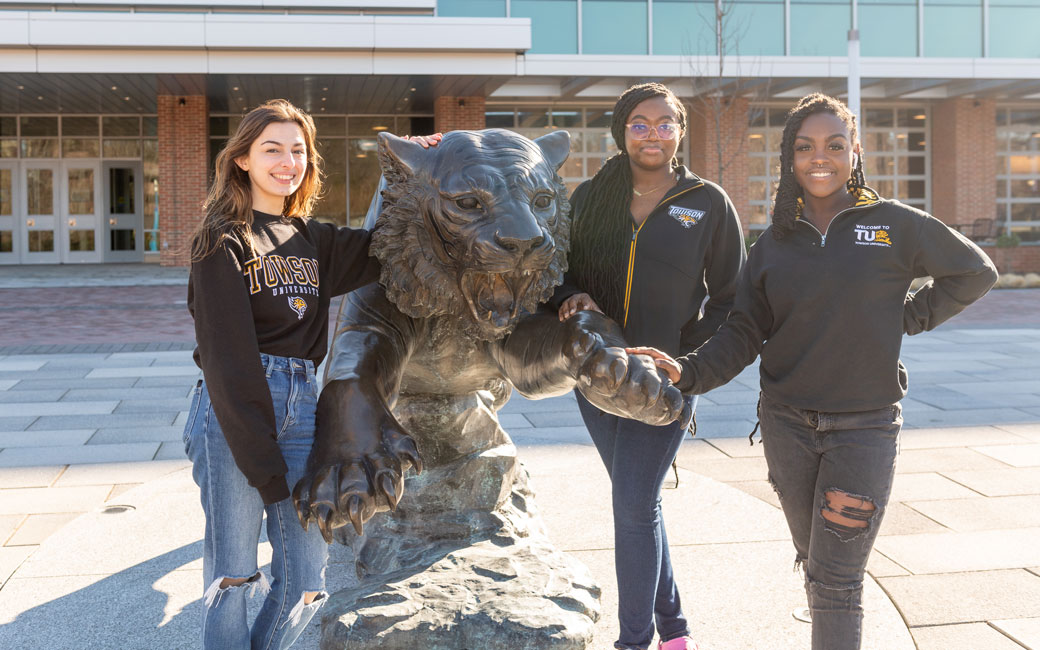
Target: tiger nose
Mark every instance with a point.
(518, 244)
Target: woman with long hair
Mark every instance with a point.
(650, 242)
(262, 276)
(825, 300)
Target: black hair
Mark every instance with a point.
(602, 230)
(788, 191)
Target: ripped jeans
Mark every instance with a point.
(833, 473)
(234, 513)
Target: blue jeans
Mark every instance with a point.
(637, 457)
(833, 473)
(234, 513)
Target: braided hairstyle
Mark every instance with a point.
(602, 229)
(788, 192)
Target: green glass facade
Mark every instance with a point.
(754, 28)
(953, 28)
(1013, 26)
(554, 24)
(683, 27)
(820, 27)
(614, 27)
(887, 28)
(472, 8)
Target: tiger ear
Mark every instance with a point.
(401, 154)
(555, 146)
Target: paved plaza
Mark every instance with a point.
(101, 530)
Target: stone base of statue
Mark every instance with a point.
(464, 563)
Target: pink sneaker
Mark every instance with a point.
(682, 643)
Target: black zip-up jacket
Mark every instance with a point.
(827, 311)
(274, 302)
(690, 246)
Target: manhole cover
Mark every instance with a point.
(116, 509)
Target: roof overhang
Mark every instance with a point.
(239, 43)
(595, 77)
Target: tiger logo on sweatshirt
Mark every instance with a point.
(298, 305)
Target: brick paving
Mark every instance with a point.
(94, 382)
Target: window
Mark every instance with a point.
(1012, 28)
(684, 27)
(472, 8)
(754, 27)
(1018, 172)
(888, 27)
(150, 162)
(953, 28)
(614, 27)
(78, 136)
(765, 127)
(820, 27)
(554, 24)
(895, 153)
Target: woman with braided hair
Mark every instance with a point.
(650, 242)
(824, 299)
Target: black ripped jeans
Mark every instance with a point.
(833, 473)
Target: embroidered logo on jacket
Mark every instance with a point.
(687, 217)
(873, 236)
(299, 305)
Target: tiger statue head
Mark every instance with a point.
(475, 229)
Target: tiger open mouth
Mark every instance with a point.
(494, 299)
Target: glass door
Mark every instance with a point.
(8, 219)
(40, 207)
(123, 219)
(81, 211)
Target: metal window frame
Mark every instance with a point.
(1005, 200)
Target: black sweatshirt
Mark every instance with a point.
(690, 246)
(274, 302)
(828, 311)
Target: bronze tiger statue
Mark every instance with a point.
(473, 237)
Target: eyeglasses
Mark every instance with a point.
(641, 131)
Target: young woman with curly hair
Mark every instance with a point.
(262, 276)
(650, 241)
(825, 300)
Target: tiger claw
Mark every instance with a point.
(386, 485)
(354, 512)
(325, 515)
(406, 452)
(301, 505)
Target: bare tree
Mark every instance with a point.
(719, 86)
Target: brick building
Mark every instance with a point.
(111, 111)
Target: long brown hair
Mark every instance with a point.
(229, 204)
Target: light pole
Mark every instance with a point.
(854, 64)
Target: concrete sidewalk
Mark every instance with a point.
(101, 527)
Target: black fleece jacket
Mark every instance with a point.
(274, 302)
(689, 247)
(828, 311)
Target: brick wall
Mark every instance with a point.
(184, 172)
(1020, 259)
(730, 117)
(458, 113)
(964, 148)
